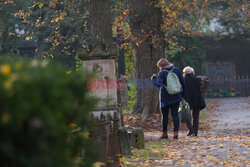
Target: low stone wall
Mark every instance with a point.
(106, 132)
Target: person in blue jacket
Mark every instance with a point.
(168, 101)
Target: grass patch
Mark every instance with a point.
(145, 157)
(205, 114)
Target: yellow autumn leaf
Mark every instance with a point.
(28, 38)
(242, 146)
(172, 153)
(224, 162)
(40, 5)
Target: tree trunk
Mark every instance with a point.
(145, 24)
(101, 21)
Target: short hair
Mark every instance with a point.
(188, 70)
(163, 62)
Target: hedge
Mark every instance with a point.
(45, 116)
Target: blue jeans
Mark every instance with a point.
(174, 112)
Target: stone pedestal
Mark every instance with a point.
(104, 86)
(137, 138)
(124, 142)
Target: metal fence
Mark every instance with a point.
(228, 86)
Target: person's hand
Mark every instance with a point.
(155, 75)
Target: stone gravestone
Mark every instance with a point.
(104, 86)
(124, 142)
(137, 138)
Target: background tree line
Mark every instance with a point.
(151, 29)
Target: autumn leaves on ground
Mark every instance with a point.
(223, 138)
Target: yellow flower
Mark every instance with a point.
(5, 69)
(5, 118)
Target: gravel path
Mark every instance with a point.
(233, 114)
(225, 144)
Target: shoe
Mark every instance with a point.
(190, 132)
(164, 135)
(175, 135)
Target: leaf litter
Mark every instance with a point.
(226, 147)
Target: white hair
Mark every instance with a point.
(188, 70)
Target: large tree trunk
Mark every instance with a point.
(145, 23)
(101, 21)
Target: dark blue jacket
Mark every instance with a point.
(160, 81)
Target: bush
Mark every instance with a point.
(45, 116)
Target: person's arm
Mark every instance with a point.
(158, 81)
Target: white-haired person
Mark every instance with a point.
(193, 96)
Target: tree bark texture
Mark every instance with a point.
(101, 21)
(145, 24)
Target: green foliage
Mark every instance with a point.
(129, 60)
(131, 94)
(7, 27)
(193, 55)
(231, 14)
(78, 63)
(59, 27)
(45, 117)
(11, 24)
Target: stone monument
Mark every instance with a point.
(104, 86)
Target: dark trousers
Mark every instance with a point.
(189, 125)
(196, 115)
(174, 112)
